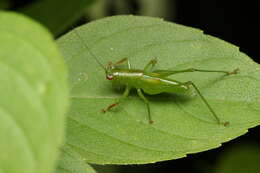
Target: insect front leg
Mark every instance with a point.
(126, 93)
(206, 102)
(141, 95)
(122, 61)
(149, 67)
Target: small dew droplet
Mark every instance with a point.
(82, 76)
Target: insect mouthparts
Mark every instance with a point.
(109, 77)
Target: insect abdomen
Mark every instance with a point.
(153, 85)
(149, 84)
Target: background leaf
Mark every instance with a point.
(155, 8)
(247, 156)
(183, 124)
(4, 4)
(60, 14)
(34, 93)
(68, 163)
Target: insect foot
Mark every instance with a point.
(226, 123)
(154, 61)
(234, 71)
(109, 107)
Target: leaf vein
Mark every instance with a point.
(22, 132)
(114, 138)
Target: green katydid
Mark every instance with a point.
(150, 81)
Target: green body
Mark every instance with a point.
(153, 82)
(150, 82)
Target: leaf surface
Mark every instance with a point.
(182, 123)
(72, 163)
(33, 96)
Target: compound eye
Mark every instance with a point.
(110, 77)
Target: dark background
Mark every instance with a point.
(235, 21)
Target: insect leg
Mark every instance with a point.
(126, 93)
(149, 67)
(165, 73)
(122, 61)
(207, 104)
(140, 93)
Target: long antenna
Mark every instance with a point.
(92, 54)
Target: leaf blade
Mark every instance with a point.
(183, 124)
(32, 103)
(70, 163)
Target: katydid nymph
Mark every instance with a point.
(150, 81)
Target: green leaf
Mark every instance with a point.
(57, 15)
(182, 123)
(241, 158)
(34, 91)
(72, 163)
